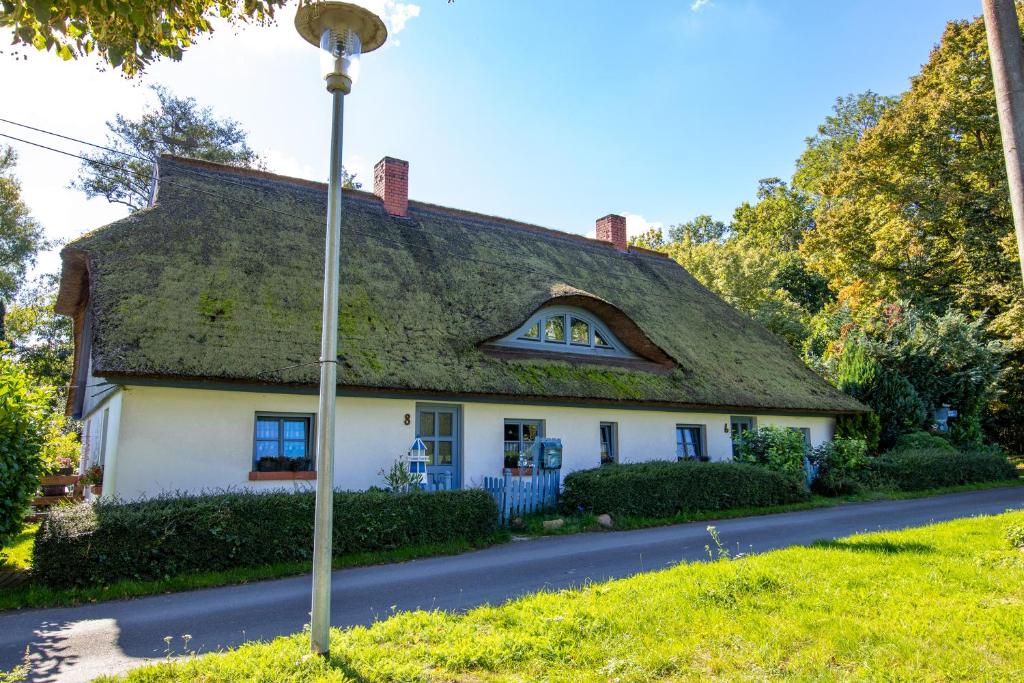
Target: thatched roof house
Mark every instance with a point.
(217, 288)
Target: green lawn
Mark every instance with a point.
(18, 554)
(936, 603)
(33, 596)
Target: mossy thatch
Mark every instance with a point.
(221, 280)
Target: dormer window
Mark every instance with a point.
(566, 329)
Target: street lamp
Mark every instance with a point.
(343, 32)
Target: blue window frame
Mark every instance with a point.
(690, 443)
(283, 443)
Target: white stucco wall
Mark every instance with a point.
(190, 439)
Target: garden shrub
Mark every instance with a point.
(921, 440)
(90, 544)
(916, 469)
(863, 426)
(779, 448)
(841, 464)
(664, 489)
(23, 428)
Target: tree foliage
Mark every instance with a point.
(177, 125)
(21, 237)
(23, 427)
(128, 35)
(41, 340)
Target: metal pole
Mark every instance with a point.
(320, 618)
(1007, 56)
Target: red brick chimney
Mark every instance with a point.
(391, 183)
(612, 228)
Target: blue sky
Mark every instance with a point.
(554, 113)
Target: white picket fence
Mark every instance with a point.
(522, 494)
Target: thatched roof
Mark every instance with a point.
(221, 281)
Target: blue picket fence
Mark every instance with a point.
(522, 494)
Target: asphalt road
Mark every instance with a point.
(77, 643)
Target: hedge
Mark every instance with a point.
(664, 489)
(96, 544)
(916, 469)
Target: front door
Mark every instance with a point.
(738, 425)
(438, 426)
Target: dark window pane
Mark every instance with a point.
(554, 329)
(579, 331)
(512, 431)
(430, 452)
(267, 428)
(533, 332)
(426, 423)
(444, 452)
(444, 427)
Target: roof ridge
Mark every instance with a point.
(414, 203)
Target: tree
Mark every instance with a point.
(21, 237)
(852, 117)
(700, 230)
(780, 218)
(128, 36)
(651, 239)
(41, 340)
(23, 426)
(178, 125)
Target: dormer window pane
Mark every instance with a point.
(554, 329)
(533, 332)
(579, 332)
(600, 342)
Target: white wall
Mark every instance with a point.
(190, 439)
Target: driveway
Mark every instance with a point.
(77, 643)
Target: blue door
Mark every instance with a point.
(438, 426)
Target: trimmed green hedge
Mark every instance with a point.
(86, 545)
(664, 489)
(916, 469)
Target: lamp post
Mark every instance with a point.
(342, 31)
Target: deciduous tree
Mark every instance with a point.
(21, 236)
(126, 35)
(177, 125)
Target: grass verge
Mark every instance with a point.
(34, 596)
(935, 603)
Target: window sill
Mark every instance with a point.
(281, 476)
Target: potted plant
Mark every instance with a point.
(93, 478)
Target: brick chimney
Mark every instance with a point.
(612, 228)
(391, 183)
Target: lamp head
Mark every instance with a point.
(343, 32)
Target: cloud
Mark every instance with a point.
(638, 225)
(698, 5)
(395, 14)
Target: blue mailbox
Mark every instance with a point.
(550, 455)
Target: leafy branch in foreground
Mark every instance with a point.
(125, 35)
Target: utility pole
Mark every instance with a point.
(1007, 56)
